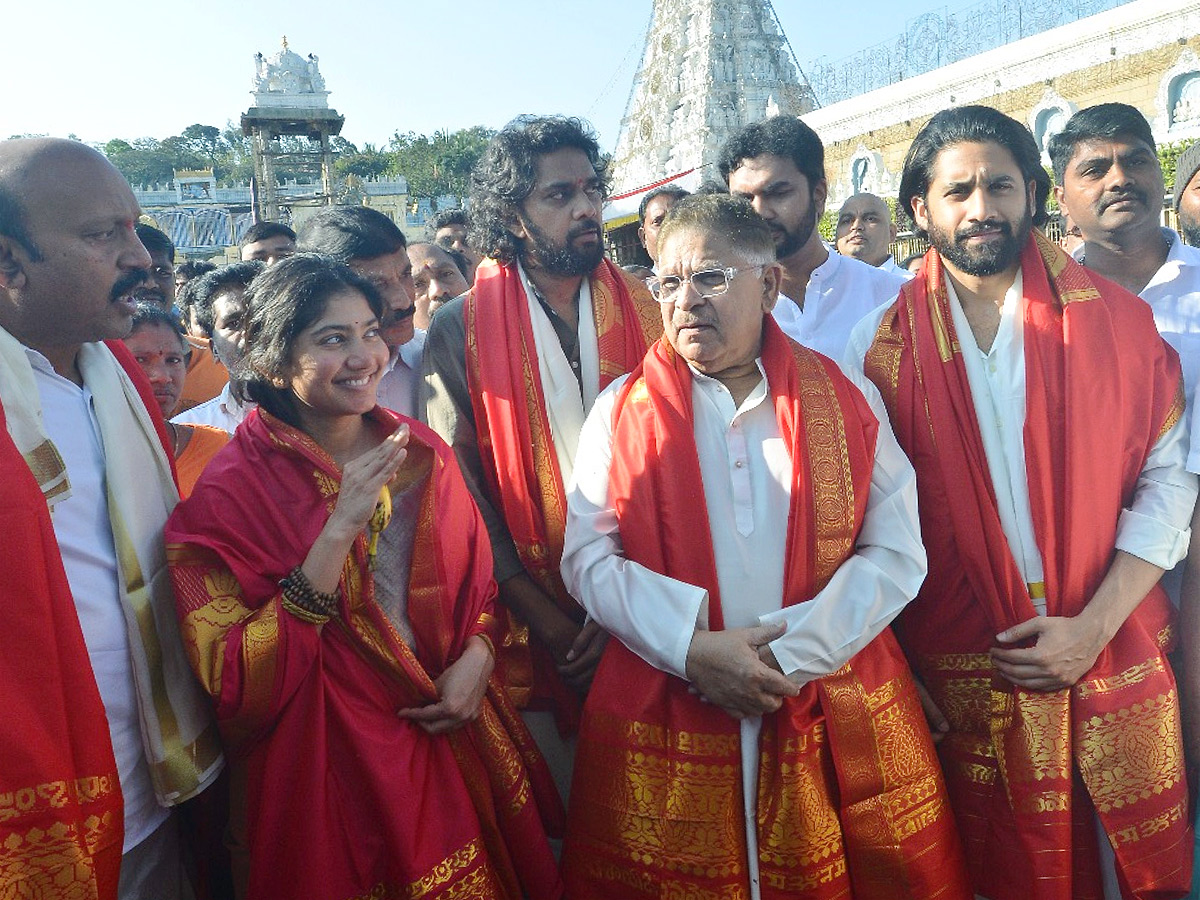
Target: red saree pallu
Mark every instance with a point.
(521, 468)
(850, 800)
(345, 799)
(1027, 770)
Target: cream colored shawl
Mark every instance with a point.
(178, 732)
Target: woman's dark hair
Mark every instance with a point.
(147, 314)
(507, 172)
(282, 302)
(972, 125)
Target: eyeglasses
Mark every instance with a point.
(707, 283)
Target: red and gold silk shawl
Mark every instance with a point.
(850, 800)
(344, 799)
(1025, 769)
(61, 812)
(61, 816)
(519, 463)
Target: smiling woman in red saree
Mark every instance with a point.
(377, 756)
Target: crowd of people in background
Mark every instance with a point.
(481, 567)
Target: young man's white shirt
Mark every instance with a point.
(839, 293)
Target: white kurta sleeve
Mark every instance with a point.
(653, 615)
(1156, 526)
(871, 588)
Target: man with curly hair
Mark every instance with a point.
(511, 369)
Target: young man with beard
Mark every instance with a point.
(104, 728)
(1044, 417)
(511, 369)
(370, 243)
(779, 166)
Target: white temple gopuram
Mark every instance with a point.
(709, 68)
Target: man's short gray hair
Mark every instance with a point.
(721, 214)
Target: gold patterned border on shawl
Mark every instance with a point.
(1133, 675)
(1174, 413)
(609, 319)
(57, 861)
(798, 824)
(673, 805)
(832, 480)
(1021, 736)
(882, 361)
(201, 573)
(1131, 753)
(475, 880)
(48, 469)
(54, 795)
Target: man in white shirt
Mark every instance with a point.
(1110, 184)
(1044, 416)
(744, 524)
(220, 312)
(103, 732)
(779, 166)
(370, 243)
(865, 230)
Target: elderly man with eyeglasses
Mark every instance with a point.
(744, 524)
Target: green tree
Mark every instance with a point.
(370, 162)
(1168, 158)
(440, 163)
(204, 142)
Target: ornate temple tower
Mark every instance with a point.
(290, 121)
(709, 68)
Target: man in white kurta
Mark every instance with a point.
(779, 166)
(975, 187)
(73, 409)
(839, 292)
(1110, 180)
(747, 476)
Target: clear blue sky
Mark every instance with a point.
(120, 68)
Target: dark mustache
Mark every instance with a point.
(127, 282)
(588, 227)
(985, 228)
(1129, 194)
(400, 315)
